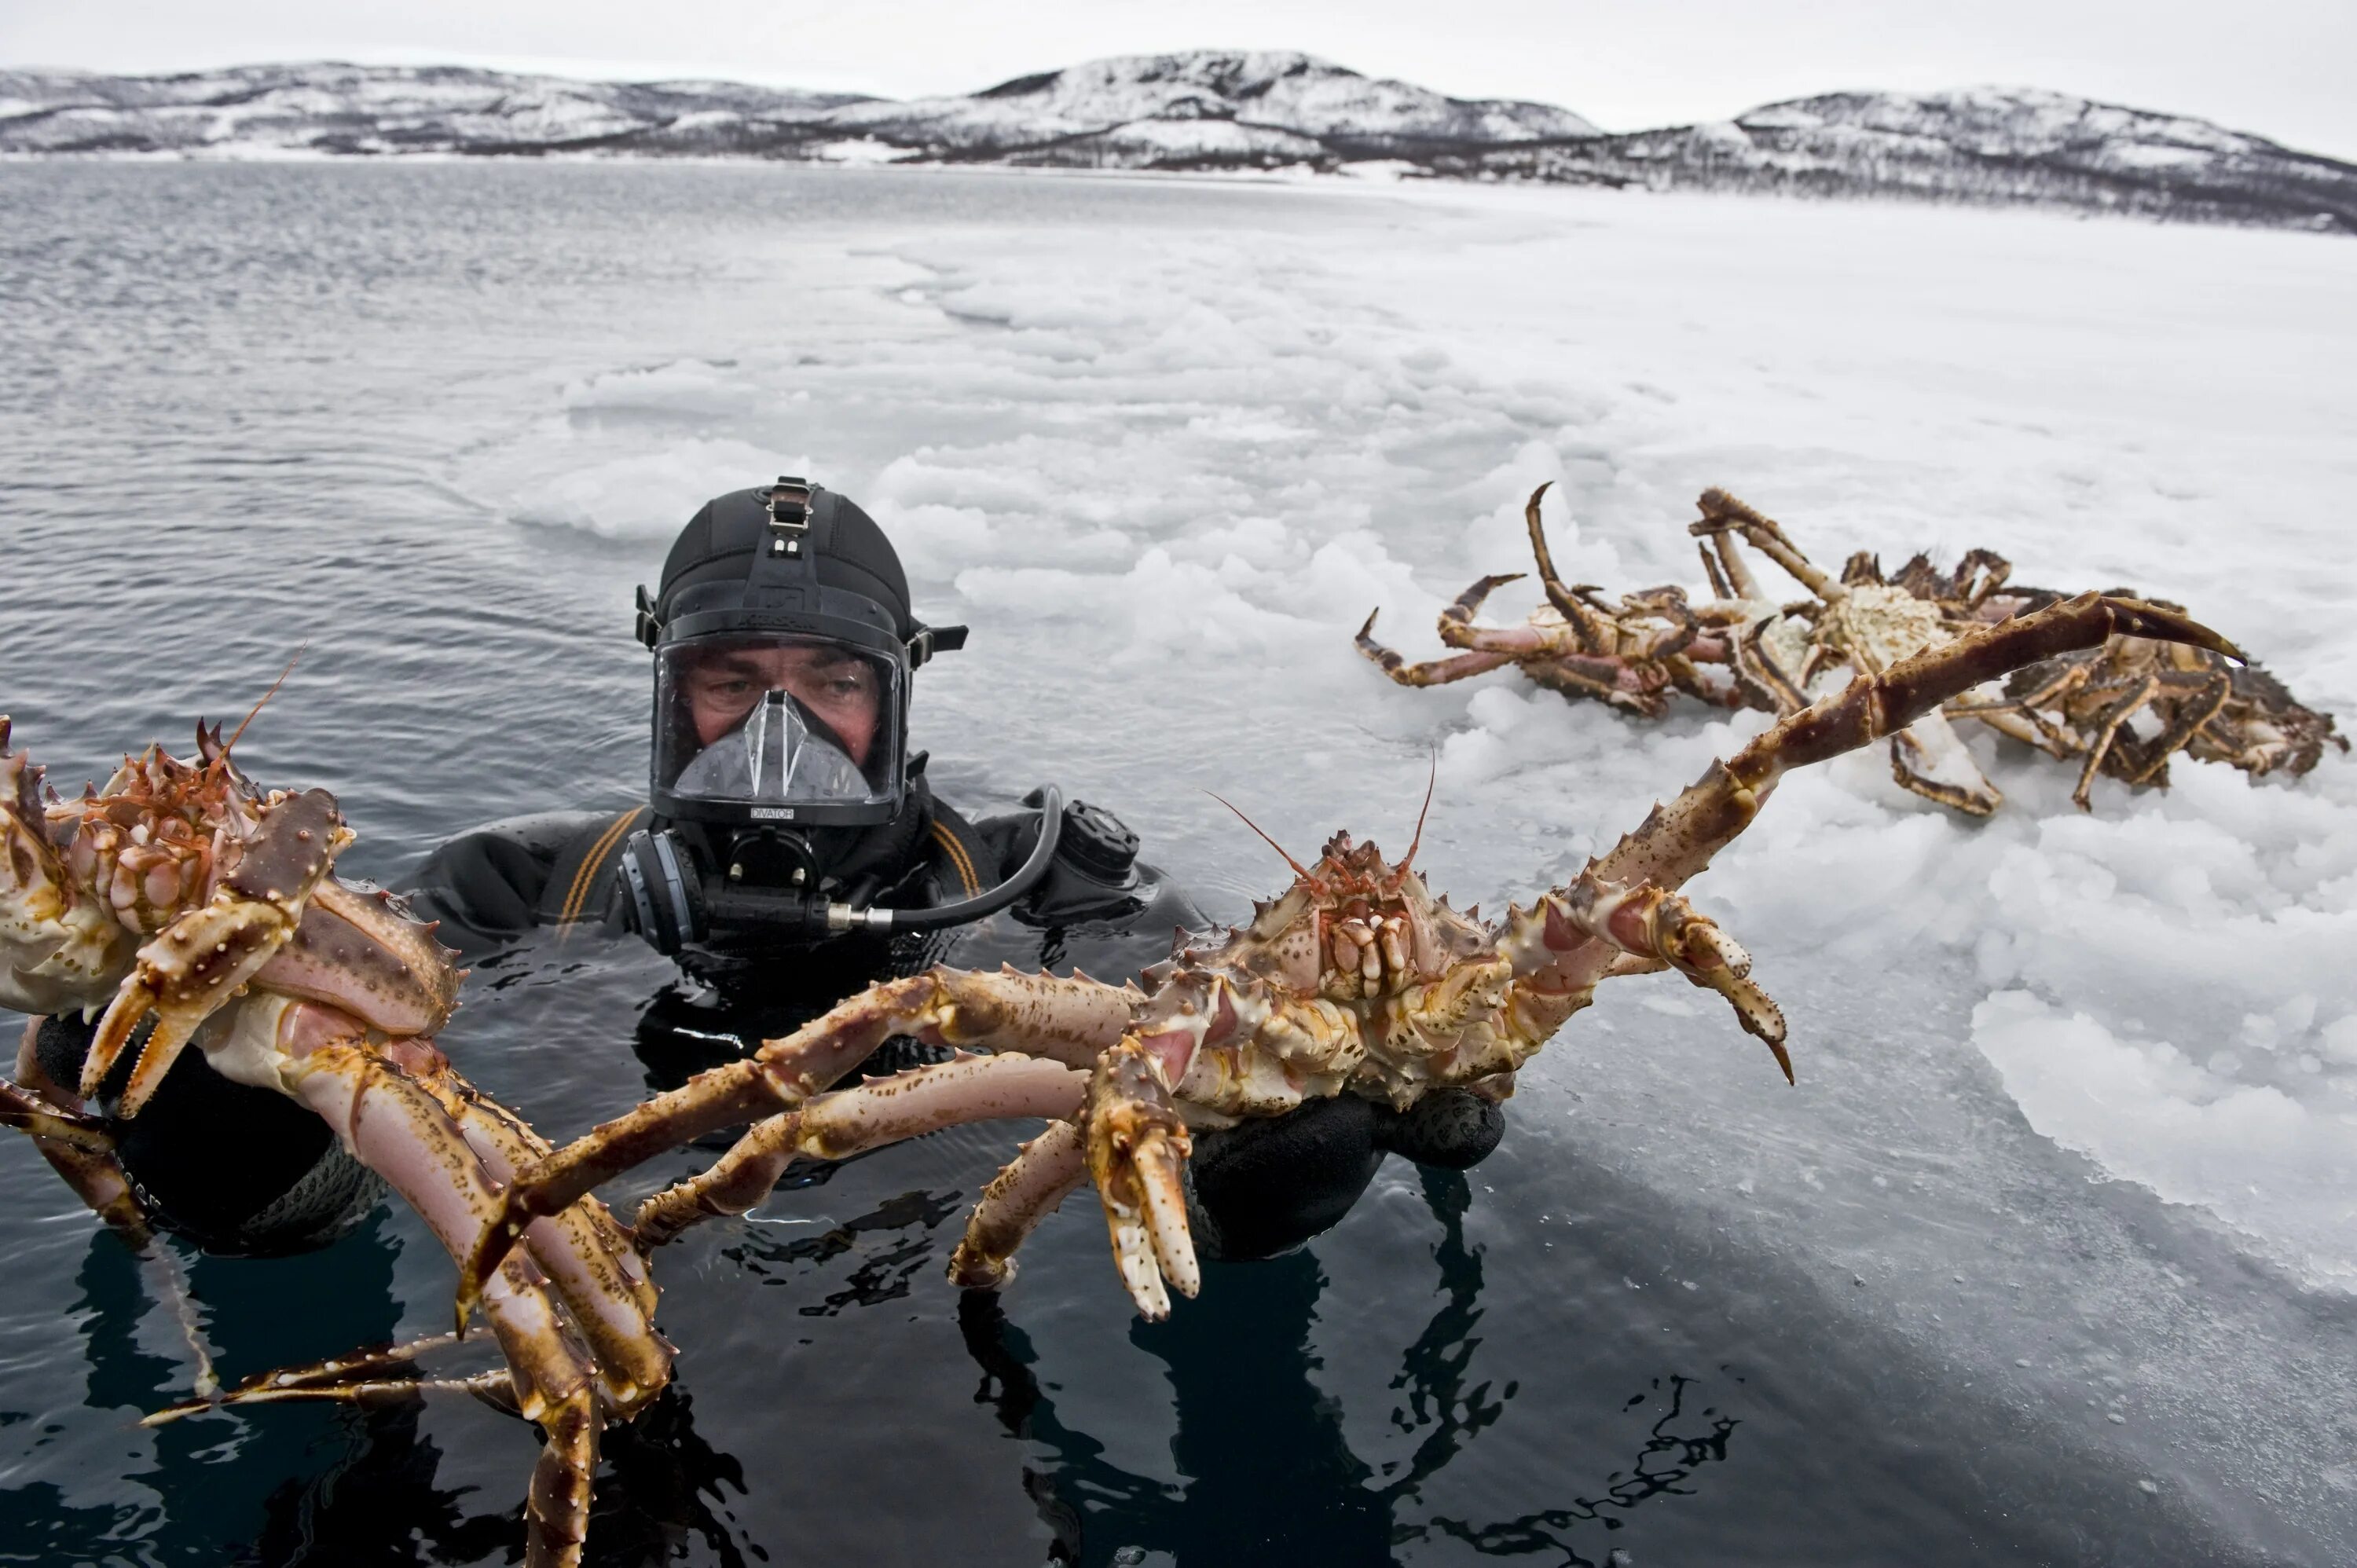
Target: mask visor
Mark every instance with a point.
(779, 722)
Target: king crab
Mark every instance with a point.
(182, 892)
(1355, 979)
(1741, 649)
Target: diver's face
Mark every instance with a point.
(840, 688)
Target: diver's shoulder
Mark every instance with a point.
(541, 835)
(507, 876)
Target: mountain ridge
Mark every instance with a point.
(1214, 110)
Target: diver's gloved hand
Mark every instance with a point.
(1261, 1188)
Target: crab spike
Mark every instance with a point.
(255, 711)
(156, 1059)
(131, 1003)
(1431, 779)
(1298, 869)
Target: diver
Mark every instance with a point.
(791, 853)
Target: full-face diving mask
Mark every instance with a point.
(784, 728)
(783, 645)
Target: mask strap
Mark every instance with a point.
(785, 563)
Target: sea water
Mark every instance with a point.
(2049, 1257)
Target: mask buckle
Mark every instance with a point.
(932, 639)
(790, 515)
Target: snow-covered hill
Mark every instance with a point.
(321, 108)
(1999, 145)
(1205, 107)
(1214, 110)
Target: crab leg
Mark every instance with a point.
(851, 1120)
(1929, 757)
(587, 1258)
(362, 953)
(2107, 729)
(396, 1127)
(1624, 902)
(82, 1154)
(2195, 708)
(1439, 671)
(1739, 583)
(1066, 1020)
(55, 948)
(1721, 511)
(496, 1386)
(77, 1147)
(1595, 630)
(1039, 1178)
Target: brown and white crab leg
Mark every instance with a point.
(1597, 631)
(588, 1260)
(57, 945)
(1722, 511)
(1042, 1174)
(1066, 1020)
(495, 1388)
(848, 1122)
(1487, 648)
(82, 1150)
(398, 1128)
(1624, 901)
(76, 1146)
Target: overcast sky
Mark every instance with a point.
(2280, 67)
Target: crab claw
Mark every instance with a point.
(1656, 929)
(198, 962)
(1137, 1149)
(1698, 950)
(192, 967)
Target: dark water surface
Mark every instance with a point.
(233, 403)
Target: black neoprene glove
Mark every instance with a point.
(1261, 1187)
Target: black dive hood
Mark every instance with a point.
(773, 843)
(789, 562)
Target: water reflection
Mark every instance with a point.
(1267, 1474)
(293, 1484)
(894, 1243)
(1667, 1459)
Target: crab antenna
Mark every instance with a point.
(1409, 859)
(1298, 869)
(257, 707)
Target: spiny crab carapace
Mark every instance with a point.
(1353, 980)
(182, 894)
